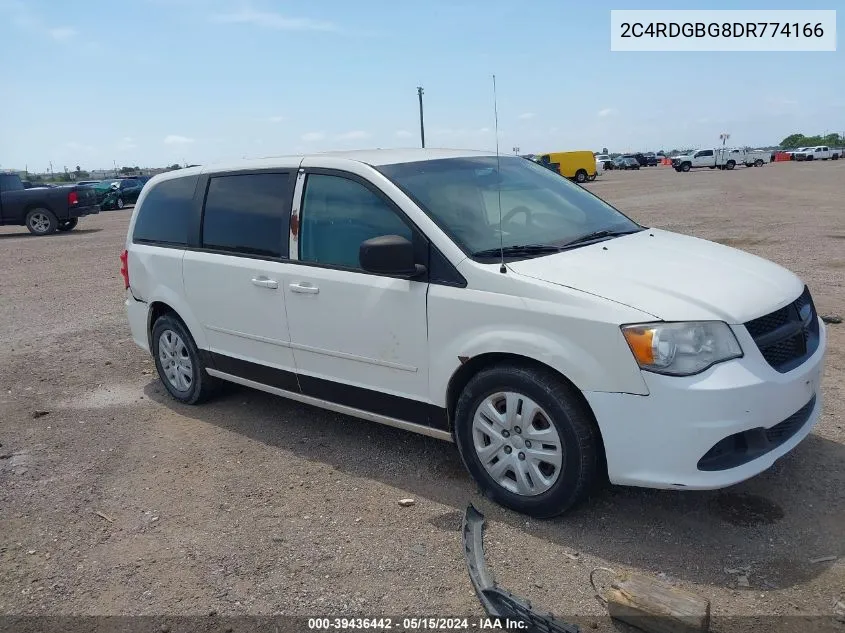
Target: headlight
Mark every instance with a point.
(681, 349)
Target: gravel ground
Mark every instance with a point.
(116, 500)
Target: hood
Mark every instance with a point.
(671, 276)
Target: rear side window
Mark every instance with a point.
(165, 215)
(247, 214)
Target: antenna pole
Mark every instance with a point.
(502, 268)
(422, 125)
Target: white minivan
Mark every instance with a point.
(481, 300)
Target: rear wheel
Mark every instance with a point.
(68, 225)
(119, 204)
(580, 176)
(730, 165)
(758, 162)
(41, 221)
(528, 439)
(178, 362)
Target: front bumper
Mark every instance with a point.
(657, 441)
(78, 212)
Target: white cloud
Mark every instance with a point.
(313, 136)
(354, 135)
(606, 112)
(403, 134)
(126, 143)
(276, 119)
(484, 130)
(526, 115)
(270, 20)
(175, 139)
(61, 33)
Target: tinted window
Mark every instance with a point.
(337, 215)
(705, 152)
(247, 214)
(165, 215)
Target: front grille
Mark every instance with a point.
(741, 448)
(788, 336)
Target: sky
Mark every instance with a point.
(99, 83)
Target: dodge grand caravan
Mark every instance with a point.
(487, 302)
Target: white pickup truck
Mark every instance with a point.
(757, 157)
(819, 152)
(723, 158)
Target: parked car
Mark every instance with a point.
(723, 158)
(651, 159)
(551, 343)
(580, 166)
(797, 150)
(605, 160)
(27, 184)
(820, 152)
(86, 182)
(626, 162)
(43, 210)
(116, 194)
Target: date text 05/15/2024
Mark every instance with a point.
(457, 624)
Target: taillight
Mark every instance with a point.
(124, 268)
(72, 198)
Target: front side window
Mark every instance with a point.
(165, 214)
(337, 215)
(246, 214)
(537, 207)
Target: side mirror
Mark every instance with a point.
(389, 255)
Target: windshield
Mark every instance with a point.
(538, 206)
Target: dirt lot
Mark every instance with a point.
(120, 501)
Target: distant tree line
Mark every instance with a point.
(799, 140)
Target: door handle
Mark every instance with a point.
(304, 288)
(265, 282)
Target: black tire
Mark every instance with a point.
(834, 157)
(68, 225)
(202, 386)
(730, 165)
(686, 167)
(809, 158)
(119, 203)
(41, 221)
(758, 162)
(579, 437)
(580, 176)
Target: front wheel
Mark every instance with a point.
(178, 362)
(580, 176)
(68, 225)
(119, 204)
(527, 439)
(685, 167)
(41, 221)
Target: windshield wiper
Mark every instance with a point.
(524, 249)
(599, 235)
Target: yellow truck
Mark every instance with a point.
(580, 166)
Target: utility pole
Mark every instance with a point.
(516, 150)
(422, 124)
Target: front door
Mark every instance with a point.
(234, 280)
(358, 339)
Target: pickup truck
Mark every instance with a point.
(47, 210)
(712, 158)
(820, 152)
(757, 157)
